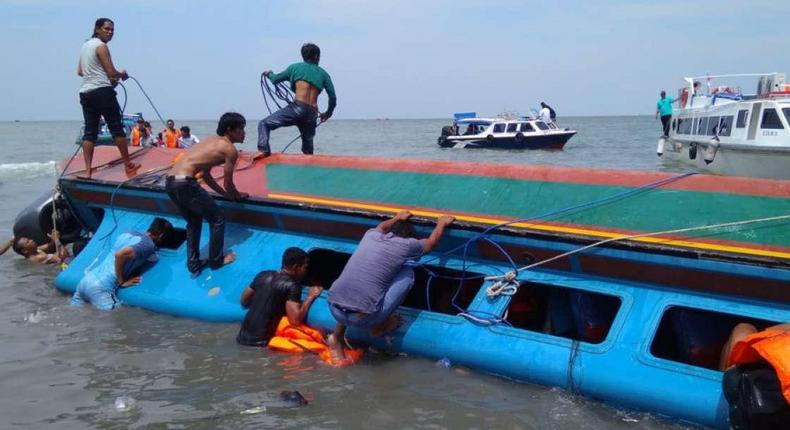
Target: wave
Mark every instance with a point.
(21, 171)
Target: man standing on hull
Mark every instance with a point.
(307, 81)
(194, 203)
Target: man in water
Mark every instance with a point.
(307, 81)
(664, 108)
(130, 252)
(194, 203)
(52, 252)
(271, 295)
(375, 280)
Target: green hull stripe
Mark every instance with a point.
(650, 210)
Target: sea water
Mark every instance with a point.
(69, 368)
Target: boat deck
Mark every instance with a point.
(573, 203)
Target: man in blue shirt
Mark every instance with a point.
(120, 267)
(375, 280)
(307, 81)
(664, 108)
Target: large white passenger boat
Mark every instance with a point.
(721, 130)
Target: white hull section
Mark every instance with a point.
(732, 160)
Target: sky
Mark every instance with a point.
(389, 59)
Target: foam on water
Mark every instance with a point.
(11, 172)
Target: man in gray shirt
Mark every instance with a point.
(375, 280)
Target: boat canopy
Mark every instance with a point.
(458, 116)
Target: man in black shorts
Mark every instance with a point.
(272, 295)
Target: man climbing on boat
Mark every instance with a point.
(375, 281)
(307, 81)
(194, 203)
(664, 108)
(272, 295)
(119, 269)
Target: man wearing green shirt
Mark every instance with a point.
(307, 81)
(664, 107)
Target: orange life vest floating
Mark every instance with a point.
(301, 338)
(769, 345)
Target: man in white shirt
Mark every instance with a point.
(187, 140)
(545, 114)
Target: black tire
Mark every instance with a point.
(490, 138)
(519, 137)
(692, 151)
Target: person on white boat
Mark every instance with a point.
(546, 113)
(664, 108)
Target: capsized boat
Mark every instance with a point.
(720, 129)
(505, 132)
(574, 278)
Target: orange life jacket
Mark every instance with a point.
(135, 136)
(301, 338)
(171, 137)
(769, 345)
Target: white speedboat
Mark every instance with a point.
(724, 131)
(469, 131)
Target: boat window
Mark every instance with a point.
(499, 128)
(713, 126)
(512, 127)
(702, 125)
(541, 125)
(771, 119)
(726, 126)
(742, 114)
(695, 336)
(527, 127)
(565, 312)
(438, 295)
(786, 112)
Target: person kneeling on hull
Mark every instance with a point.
(130, 252)
(271, 295)
(375, 280)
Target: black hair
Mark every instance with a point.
(293, 256)
(18, 247)
(185, 129)
(230, 121)
(99, 24)
(170, 120)
(310, 53)
(160, 226)
(543, 104)
(147, 124)
(402, 228)
(663, 93)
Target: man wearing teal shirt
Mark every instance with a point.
(307, 81)
(664, 107)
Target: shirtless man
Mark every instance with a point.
(194, 202)
(52, 252)
(307, 81)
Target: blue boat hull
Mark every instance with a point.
(620, 370)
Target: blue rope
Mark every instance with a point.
(279, 92)
(494, 319)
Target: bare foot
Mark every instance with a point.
(336, 349)
(229, 258)
(394, 321)
(86, 175)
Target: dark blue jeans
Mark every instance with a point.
(297, 113)
(195, 204)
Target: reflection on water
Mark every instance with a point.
(67, 368)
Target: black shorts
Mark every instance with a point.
(98, 103)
